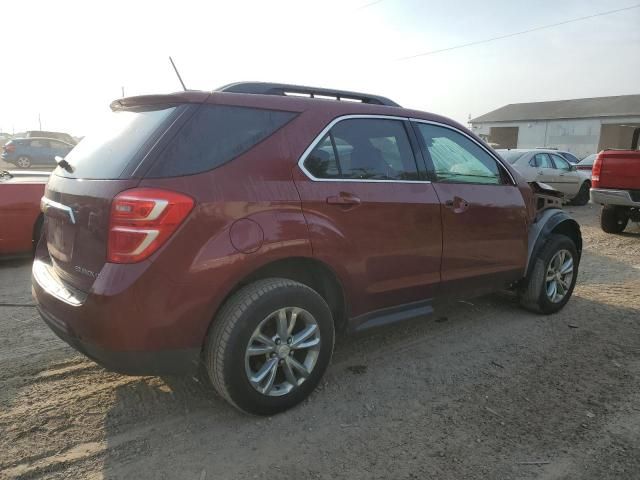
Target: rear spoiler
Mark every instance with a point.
(190, 96)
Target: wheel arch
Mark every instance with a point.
(309, 271)
(549, 222)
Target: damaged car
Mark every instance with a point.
(236, 231)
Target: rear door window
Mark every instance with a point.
(216, 135)
(114, 143)
(541, 160)
(364, 149)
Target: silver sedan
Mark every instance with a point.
(548, 167)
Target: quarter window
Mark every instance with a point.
(216, 135)
(457, 159)
(364, 149)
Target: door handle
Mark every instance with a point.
(458, 204)
(343, 199)
(540, 172)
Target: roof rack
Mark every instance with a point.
(263, 88)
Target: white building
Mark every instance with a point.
(581, 126)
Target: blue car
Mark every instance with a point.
(25, 152)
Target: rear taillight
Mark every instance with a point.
(141, 220)
(9, 148)
(596, 171)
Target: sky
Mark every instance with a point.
(65, 61)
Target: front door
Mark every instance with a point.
(483, 215)
(371, 214)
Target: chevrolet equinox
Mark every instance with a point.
(235, 231)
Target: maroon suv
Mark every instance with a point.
(240, 229)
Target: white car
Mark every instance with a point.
(547, 166)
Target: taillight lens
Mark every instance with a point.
(596, 171)
(9, 148)
(141, 220)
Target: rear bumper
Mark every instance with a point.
(165, 362)
(113, 332)
(607, 196)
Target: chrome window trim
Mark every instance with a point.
(326, 129)
(492, 155)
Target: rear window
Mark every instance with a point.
(114, 142)
(510, 156)
(216, 135)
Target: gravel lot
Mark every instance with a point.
(480, 390)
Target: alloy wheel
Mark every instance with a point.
(559, 276)
(282, 351)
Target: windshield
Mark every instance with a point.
(510, 156)
(113, 143)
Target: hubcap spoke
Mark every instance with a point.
(288, 373)
(551, 290)
(298, 366)
(254, 350)
(303, 335)
(308, 344)
(264, 371)
(567, 267)
(283, 327)
(270, 379)
(292, 321)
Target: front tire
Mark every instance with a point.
(269, 346)
(613, 219)
(550, 284)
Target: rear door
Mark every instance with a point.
(77, 202)
(567, 180)
(484, 220)
(544, 169)
(39, 151)
(371, 213)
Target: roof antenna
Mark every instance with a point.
(177, 73)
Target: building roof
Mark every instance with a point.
(619, 106)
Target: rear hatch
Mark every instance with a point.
(77, 200)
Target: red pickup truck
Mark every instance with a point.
(615, 184)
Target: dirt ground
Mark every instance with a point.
(481, 390)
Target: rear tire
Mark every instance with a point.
(582, 198)
(23, 161)
(556, 264)
(246, 340)
(613, 219)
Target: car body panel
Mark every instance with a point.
(620, 169)
(485, 241)
(19, 211)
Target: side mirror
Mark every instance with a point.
(573, 168)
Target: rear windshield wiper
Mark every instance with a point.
(64, 164)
